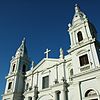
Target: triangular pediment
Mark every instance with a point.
(46, 63)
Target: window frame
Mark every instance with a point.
(24, 69)
(79, 36)
(83, 59)
(13, 67)
(44, 79)
(9, 85)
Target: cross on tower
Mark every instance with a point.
(47, 53)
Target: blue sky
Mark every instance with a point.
(44, 25)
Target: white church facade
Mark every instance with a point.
(75, 76)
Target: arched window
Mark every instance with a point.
(13, 68)
(79, 35)
(24, 69)
(91, 95)
(9, 85)
(58, 95)
(90, 92)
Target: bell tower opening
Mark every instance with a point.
(13, 69)
(24, 69)
(80, 37)
(10, 85)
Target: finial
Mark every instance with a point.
(23, 40)
(69, 25)
(32, 64)
(77, 8)
(12, 57)
(61, 53)
(47, 52)
(76, 5)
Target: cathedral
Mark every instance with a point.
(75, 76)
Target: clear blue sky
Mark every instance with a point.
(43, 23)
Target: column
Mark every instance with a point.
(63, 95)
(55, 96)
(26, 98)
(33, 98)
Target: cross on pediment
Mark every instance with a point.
(47, 53)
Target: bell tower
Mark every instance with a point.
(81, 30)
(84, 46)
(19, 64)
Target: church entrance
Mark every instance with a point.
(46, 97)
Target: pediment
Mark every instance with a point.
(45, 64)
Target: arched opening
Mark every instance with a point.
(58, 95)
(24, 69)
(29, 98)
(13, 68)
(9, 85)
(79, 35)
(91, 94)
